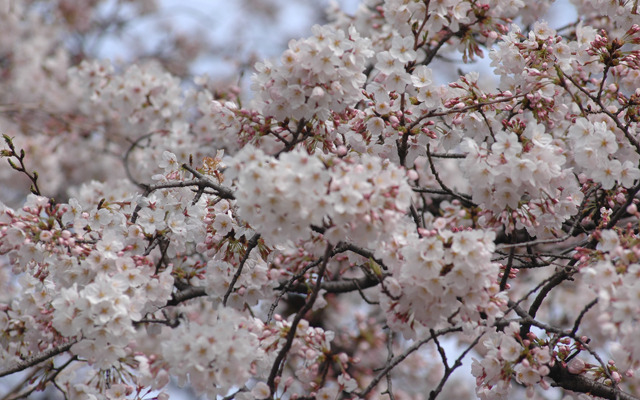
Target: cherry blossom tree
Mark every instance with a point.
(353, 227)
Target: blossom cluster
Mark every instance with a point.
(322, 73)
(214, 354)
(612, 276)
(86, 285)
(507, 354)
(449, 275)
(354, 198)
(522, 180)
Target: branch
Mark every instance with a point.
(253, 242)
(187, 294)
(38, 358)
(397, 360)
(342, 247)
(507, 270)
(287, 286)
(449, 370)
(446, 155)
(582, 384)
(466, 201)
(555, 280)
(50, 378)
(340, 286)
(576, 383)
(125, 158)
(278, 363)
(22, 168)
(586, 308)
(222, 191)
(201, 182)
(463, 109)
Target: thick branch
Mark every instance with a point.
(38, 358)
(340, 286)
(582, 384)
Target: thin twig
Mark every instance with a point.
(125, 158)
(397, 360)
(604, 110)
(464, 200)
(389, 390)
(586, 308)
(282, 354)
(449, 370)
(253, 242)
(507, 270)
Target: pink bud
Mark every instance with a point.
(616, 376)
(576, 366)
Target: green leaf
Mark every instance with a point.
(9, 140)
(375, 267)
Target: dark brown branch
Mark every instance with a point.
(586, 308)
(449, 370)
(38, 358)
(566, 380)
(581, 384)
(187, 294)
(341, 286)
(569, 234)
(507, 270)
(282, 354)
(556, 280)
(33, 177)
(253, 242)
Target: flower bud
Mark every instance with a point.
(576, 366)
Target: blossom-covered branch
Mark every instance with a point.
(359, 219)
